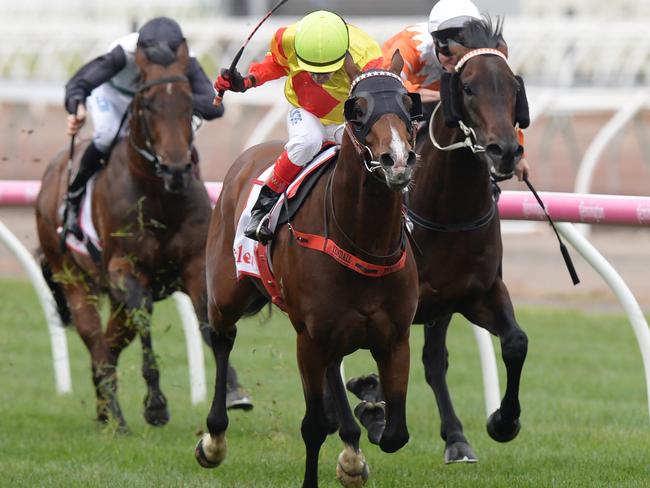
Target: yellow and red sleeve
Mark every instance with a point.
(274, 65)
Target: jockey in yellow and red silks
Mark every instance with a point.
(311, 54)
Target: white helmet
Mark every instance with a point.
(452, 14)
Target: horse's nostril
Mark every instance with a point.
(494, 150)
(412, 159)
(386, 160)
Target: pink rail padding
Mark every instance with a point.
(577, 208)
(513, 205)
(24, 192)
(19, 192)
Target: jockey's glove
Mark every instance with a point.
(233, 80)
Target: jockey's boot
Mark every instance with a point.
(90, 162)
(284, 172)
(258, 227)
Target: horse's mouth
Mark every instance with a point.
(499, 176)
(397, 182)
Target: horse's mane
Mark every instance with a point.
(479, 33)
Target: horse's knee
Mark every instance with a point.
(314, 432)
(436, 363)
(514, 346)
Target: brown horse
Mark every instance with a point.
(151, 212)
(472, 141)
(334, 309)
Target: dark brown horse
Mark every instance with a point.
(151, 212)
(456, 226)
(334, 309)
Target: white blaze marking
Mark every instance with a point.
(169, 88)
(397, 146)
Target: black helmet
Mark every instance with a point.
(158, 30)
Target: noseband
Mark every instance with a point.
(148, 152)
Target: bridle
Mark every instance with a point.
(470, 141)
(379, 103)
(148, 152)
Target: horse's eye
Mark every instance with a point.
(467, 89)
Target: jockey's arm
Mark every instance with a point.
(427, 95)
(269, 69)
(522, 169)
(91, 75)
(202, 92)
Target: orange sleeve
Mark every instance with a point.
(409, 52)
(274, 65)
(521, 139)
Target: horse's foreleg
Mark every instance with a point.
(131, 308)
(351, 469)
(314, 424)
(211, 448)
(435, 359)
(494, 312)
(83, 307)
(393, 373)
(156, 411)
(194, 281)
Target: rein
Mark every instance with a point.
(462, 227)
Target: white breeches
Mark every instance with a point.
(307, 134)
(107, 107)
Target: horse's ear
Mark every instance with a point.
(522, 115)
(183, 55)
(141, 58)
(457, 49)
(396, 63)
(351, 68)
(502, 46)
(449, 98)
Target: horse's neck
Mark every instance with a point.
(366, 210)
(450, 185)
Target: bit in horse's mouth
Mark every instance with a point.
(501, 176)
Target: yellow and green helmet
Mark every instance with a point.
(321, 42)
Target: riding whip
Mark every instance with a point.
(233, 65)
(64, 229)
(563, 249)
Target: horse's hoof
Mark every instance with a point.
(366, 388)
(501, 431)
(216, 451)
(156, 412)
(373, 417)
(157, 417)
(351, 469)
(238, 399)
(460, 452)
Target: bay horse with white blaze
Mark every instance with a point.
(334, 310)
(453, 207)
(151, 212)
